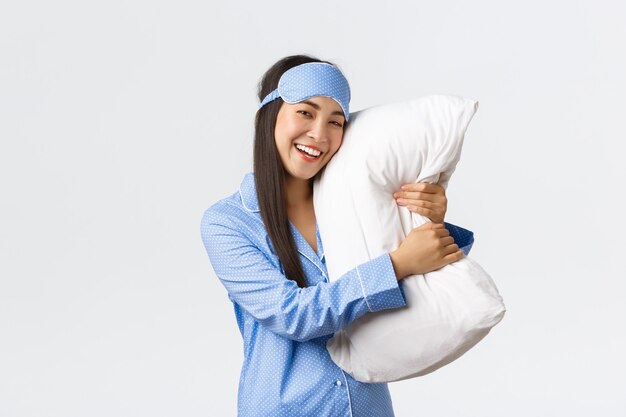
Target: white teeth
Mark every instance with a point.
(308, 150)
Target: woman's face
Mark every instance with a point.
(308, 134)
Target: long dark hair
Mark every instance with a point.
(269, 173)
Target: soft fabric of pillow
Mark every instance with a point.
(449, 310)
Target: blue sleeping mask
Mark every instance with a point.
(310, 80)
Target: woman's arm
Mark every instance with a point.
(276, 302)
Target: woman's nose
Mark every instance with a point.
(318, 132)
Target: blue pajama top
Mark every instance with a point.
(287, 370)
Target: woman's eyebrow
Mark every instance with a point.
(317, 107)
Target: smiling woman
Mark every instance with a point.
(265, 247)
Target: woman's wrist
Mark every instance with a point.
(397, 265)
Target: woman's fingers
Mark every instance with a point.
(451, 248)
(418, 203)
(424, 187)
(423, 198)
(419, 191)
(447, 240)
(453, 257)
(413, 197)
(423, 211)
(441, 230)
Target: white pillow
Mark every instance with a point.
(449, 310)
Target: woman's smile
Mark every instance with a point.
(308, 153)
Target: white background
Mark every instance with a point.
(122, 121)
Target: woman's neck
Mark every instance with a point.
(298, 192)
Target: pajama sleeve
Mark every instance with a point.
(276, 302)
(462, 237)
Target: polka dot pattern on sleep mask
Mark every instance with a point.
(310, 80)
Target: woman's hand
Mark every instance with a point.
(425, 249)
(424, 198)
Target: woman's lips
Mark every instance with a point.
(305, 156)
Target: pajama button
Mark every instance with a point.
(338, 383)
